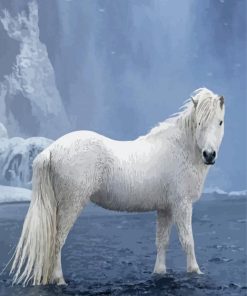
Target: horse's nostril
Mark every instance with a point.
(209, 156)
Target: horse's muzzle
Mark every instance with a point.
(209, 157)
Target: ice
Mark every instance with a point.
(16, 158)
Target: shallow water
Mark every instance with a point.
(111, 253)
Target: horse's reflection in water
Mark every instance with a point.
(164, 171)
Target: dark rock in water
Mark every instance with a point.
(242, 220)
(219, 260)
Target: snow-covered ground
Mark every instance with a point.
(212, 190)
(238, 193)
(10, 194)
(218, 191)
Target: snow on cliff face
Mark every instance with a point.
(31, 88)
(16, 158)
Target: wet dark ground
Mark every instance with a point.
(111, 253)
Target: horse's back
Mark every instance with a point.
(76, 159)
(77, 136)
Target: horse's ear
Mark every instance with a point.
(194, 101)
(221, 101)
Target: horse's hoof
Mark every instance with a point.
(159, 271)
(195, 270)
(62, 283)
(59, 282)
(199, 272)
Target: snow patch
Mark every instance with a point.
(14, 194)
(238, 193)
(216, 190)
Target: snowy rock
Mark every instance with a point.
(16, 158)
(31, 87)
(14, 194)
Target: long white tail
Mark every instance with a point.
(35, 252)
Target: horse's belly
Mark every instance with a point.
(120, 205)
(138, 200)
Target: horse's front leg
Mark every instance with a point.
(183, 220)
(163, 227)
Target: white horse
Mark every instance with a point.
(163, 171)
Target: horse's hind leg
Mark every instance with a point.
(68, 211)
(57, 276)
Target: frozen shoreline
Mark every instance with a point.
(10, 194)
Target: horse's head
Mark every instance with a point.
(209, 118)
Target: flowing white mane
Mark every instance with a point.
(203, 98)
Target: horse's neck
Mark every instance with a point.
(182, 129)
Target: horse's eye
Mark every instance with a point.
(221, 122)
